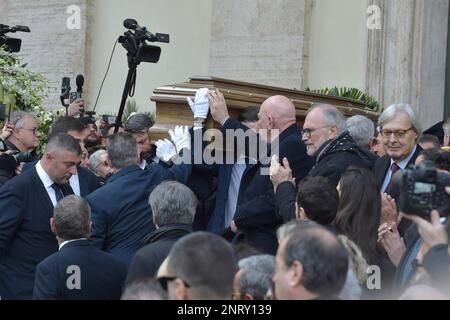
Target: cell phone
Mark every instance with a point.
(109, 119)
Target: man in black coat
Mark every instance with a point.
(121, 215)
(324, 133)
(173, 206)
(26, 206)
(255, 216)
(78, 271)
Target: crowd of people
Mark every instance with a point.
(101, 214)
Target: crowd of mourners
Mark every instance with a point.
(335, 209)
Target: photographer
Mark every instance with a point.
(435, 235)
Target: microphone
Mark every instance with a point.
(142, 31)
(130, 24)
(80, 82)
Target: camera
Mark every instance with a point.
(422, 189)
(23, 157)
(11, 44)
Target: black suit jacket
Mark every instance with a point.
(25, 234)
(90, 272)
(256, 214)
(121, 214)
(380, 169)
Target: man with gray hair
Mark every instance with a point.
(254, 277)
(98, 163)
(25, 135)
(324, 133)
(78, 271)
(173, 205)
(400, 129)
(138, 125)
(361, 129)
(26, 206)
(121, 215)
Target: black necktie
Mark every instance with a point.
(62, 190)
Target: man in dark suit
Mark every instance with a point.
(255, 213)
(400, 130)
(78, 270)
(26, 205)
(84, 181)
(173, 206)
(121, 215)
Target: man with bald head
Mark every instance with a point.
(255, 217)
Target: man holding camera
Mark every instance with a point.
(20, 140)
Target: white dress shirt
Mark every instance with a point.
(402, 164)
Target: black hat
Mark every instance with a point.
(436, 130)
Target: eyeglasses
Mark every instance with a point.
(386, 134)
(34, 130)
(308, 131)
(164, 282)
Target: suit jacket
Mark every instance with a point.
(380, 169)
(147, 260)
(255, 214)
(97, 274)
(89, 182)
(383, 164)
(121, 215)
(25, 234)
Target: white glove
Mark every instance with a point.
(165, 150)
(200, 106)
(181, 137)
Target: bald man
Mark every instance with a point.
(255, 217)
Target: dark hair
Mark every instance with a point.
(206, 263)
(442, 160)
(63, 141)
(319, 198)
(430, 138)
(106, 129)
(359, 212)
(66, 124)
(72, 218)
(138, 123)
(429, 154)
(324, 260)
(250, 114)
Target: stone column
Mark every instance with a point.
(261, 41)
(406, 57)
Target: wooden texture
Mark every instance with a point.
(172, 108)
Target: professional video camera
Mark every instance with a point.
(422, 189)
(134, 41)
(12, 44)
(20, 157)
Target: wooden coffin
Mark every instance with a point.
(172, 108)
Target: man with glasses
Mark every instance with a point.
(324, 133)
(25, 135)
(399, 129)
